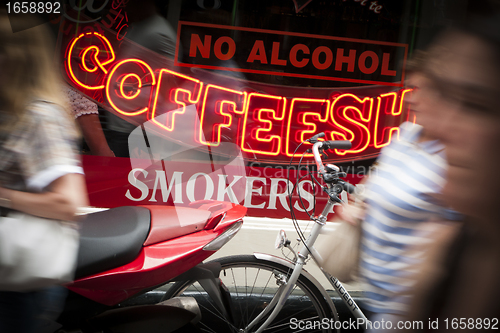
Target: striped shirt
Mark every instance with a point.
(399, 200)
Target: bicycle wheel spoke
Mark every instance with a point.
(280, 327)
(215, 312)
(262, 293)
(246, 298)
(205, 328)
(219, 317)
(293, 316)
(237, 294)
(251, 292)
(209, 300)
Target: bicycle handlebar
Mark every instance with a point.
(317, 157)
(341, 144)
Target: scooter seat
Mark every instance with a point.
(111, 238)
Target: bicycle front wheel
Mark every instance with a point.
(251, 285)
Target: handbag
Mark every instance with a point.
(340, 250)
(36, 252)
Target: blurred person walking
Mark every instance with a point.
(40, 173)
(86, 114)
(465, 73)
(152, 31)
(400, 205)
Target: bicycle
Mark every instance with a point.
(298, 298)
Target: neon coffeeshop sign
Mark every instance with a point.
(267, 127)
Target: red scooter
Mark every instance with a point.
(127, 251)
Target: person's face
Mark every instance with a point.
(464, 76)
(421, 101)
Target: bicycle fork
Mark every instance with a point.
(285, 289)
(278, 300)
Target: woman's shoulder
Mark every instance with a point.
(49, 115)
(409, 131)
(45, 109)
(408, 126)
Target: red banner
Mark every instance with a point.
(114, 182)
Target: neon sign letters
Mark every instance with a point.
(267, 127)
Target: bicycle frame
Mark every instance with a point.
(307, 249)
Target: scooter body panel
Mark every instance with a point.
(169, 222)
(157, 263)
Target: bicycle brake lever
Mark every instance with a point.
(333, 196)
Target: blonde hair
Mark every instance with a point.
(28, 69)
